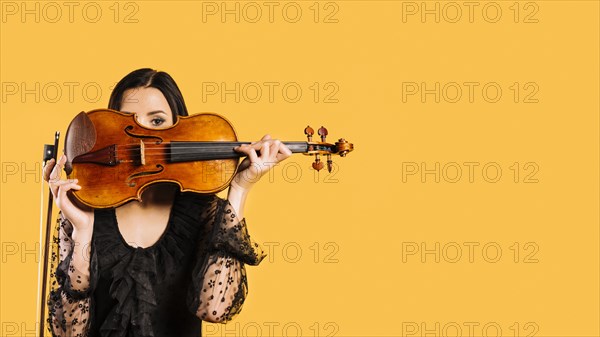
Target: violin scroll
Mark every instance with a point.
(344, 147)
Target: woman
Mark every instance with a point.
(160, 266)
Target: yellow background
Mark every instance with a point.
(365, 217)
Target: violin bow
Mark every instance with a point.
(50, 151)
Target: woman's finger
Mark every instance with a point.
(62, 183)
(255, 145)
(48, 169)
(282, 156)
(57, 170)
(55, 185)
(249, 151)
(265, 150)
(53, 189)
(285, 150)
(67, 186)
(252, 155)
(275, 148)
(280, 151)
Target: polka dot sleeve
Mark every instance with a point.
(70, 286)
(219, 279)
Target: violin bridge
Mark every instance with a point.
(142, 152)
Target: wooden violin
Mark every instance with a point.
(115, 158)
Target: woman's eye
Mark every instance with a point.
(157, 121)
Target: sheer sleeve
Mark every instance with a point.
(219, 285)
(69, 301)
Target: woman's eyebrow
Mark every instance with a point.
(149, 113)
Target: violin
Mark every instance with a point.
(115, 158)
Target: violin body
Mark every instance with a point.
(115, 158)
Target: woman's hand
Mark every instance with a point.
(80, 216)
(253, 167)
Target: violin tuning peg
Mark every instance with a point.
(329, 163)
(323, 133)
(317, 165)
(308, 131)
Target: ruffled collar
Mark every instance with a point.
(133, 271)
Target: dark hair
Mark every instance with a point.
(147, 77)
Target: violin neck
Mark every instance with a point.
(193, 151)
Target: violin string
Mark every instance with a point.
(191, 157)
(135, 147)
(219, 148)
(182, 157)
(180, 147)
(170, 152)
(132, 151)
(166, 151)
(201, 143)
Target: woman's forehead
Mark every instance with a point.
(145, 100)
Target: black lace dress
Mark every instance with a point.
(194, 271)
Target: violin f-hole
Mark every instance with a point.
(130, 179)
(128, 129)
